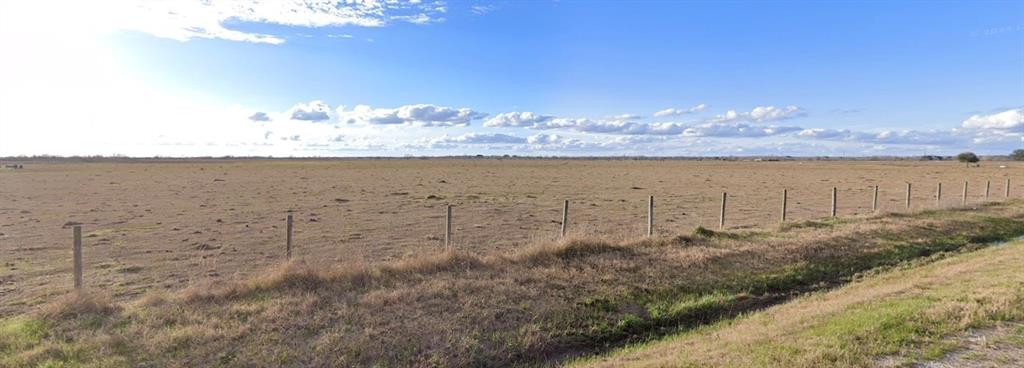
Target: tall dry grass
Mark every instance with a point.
(537, 306)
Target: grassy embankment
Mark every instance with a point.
(538, 306)
(903, 317)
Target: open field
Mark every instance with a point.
(537, 306)
(150, 225)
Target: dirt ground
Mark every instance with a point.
(167, 225)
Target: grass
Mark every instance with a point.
(538, 306)
(908, 313)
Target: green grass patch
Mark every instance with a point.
(20, 334)
(905, 315)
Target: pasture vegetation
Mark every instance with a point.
(896, 318)
(552, 302)
(165, 224)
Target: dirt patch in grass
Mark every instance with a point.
(1001, 345)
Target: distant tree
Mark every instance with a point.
(968, 158)
(1017, 155)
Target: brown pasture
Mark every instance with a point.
(166, 225)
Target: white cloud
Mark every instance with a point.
(760, 114)
(1005, 120)
(558, 143)
(313, 111)
(617, 127)
(608, 127)
(676, 112)
(901, 137)
(419, 115)
(259, 116)
(186, 20)
(614, 125)
(736, 130)
(517, 119)
(727, 125)
(624, 117)
(482, 9)
(481, 138)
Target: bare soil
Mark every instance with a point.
(167, 225)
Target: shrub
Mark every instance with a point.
(968, 158)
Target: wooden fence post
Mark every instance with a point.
(835, 200)
(874, 200)
(721, 213)
(650, 216)
(77, 256)
(288, 239)
(938, 195)
(448, 228)
(1007, 187)
(963, 198)
(988, 188)
(785, 199)
(565, 216)
(908, 195)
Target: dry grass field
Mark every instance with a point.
(166, 225)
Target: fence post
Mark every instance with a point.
(1007, 187)
(908, 195)
(834, 201)
(76, 251)
(963, 198)
(988, 188)
(288, 239)
(650, 216)
(874, 200)
(785, 199)
(448, 227)
(565, 216)
(721, 214)
(938, 195)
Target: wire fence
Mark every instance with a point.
(832, 202)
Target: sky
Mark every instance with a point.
(294, 78)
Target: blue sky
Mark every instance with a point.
(531, 78)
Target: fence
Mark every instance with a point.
(832, 207)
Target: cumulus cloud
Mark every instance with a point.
(624, 117)
(259, 116)
(730, 124)
(760, 114)
(313, 111)
(618, 127)
(1005, 120)
(736, 130)
(614, 125)
(186, 20)
(622, 127)
(676, 112)
(419, 115)
(482, 138)
(557, 142)
(903, 137)
(517, 119)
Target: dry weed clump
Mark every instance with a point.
(77, 303)
(567, 249)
